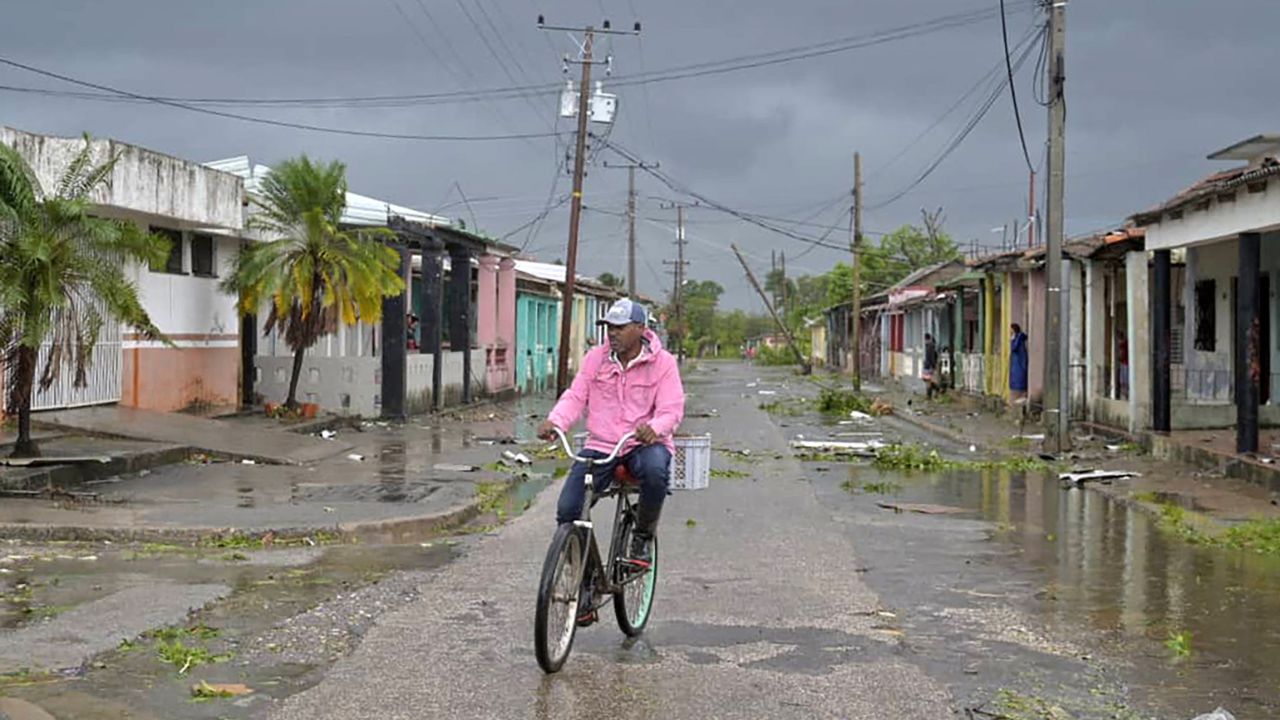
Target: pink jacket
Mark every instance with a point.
(618, 400)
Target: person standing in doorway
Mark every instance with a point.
(930, 374)
(1018, 364)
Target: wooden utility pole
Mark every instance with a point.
(1057, 436)
(783, 265)
(855, 246)
(575, 214)
(786, 333)
(631, 218)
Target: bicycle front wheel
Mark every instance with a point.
(634, 600)
(556, 619)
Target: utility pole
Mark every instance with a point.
(1057, 436)
(677, 293)
(631, 218)
(1031, 212)
(584, 111)
(783, 264)
(855, 246)
(805, 367)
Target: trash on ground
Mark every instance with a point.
(840, 447)
(754, 384)
(519, 458)
(767, 392)
(973, 448)
(328, 434)
(1036, 436)
(859, 415)
(247, 461)
(215, 690)
(1083, 476)
(880, 407)
(496, 440)
(1114, 448)
(922, 508)
(1219, 714)
(449, 467)
(357, 457)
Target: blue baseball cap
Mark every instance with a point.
(625, 312)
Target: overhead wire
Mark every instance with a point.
(268, 121)
(733, 64)
(957, 139)
(1013, 88)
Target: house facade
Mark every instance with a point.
(1226, 228)
(201, 211)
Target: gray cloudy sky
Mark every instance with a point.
(1153, 86)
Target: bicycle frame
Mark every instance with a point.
(608, 580)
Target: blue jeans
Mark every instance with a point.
(650, 464)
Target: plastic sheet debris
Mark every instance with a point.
(839, 447)
(1080, 477)
(328, 434)
(519, 458)
(356, 457)
(859, 415)
(922, 508)
(248, 462)
(1219, 714)
(448, 467)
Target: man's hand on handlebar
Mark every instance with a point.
(646, 435)
(547, 430)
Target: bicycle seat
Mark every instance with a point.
(624, 476)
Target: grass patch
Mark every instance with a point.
(44, 612)
(728, 473)
(782, 407)
(690, 523)
(1018, 443)
(1013, 705)
(184, 657)
(911, 458)
(873, 488)
(204, 692)
(1132, 448)
(491, 497)
(842, 402)
(233, 541)
(1179, 643)
(1025, 463)
(559, 472)
(1260, 536)
(1146, 497)
(235, 557)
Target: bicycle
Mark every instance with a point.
(573, 568)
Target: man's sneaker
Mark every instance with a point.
(587, 615)
(640, 554)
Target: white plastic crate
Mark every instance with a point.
(690, 464)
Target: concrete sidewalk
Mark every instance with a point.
(383, 481)
(223, 437)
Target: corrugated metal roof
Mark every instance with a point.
(361, 210)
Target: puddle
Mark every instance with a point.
(1101, 570)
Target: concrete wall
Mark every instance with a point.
(1138, 298)
(1248, 212)
(343, 385)
(143, 181)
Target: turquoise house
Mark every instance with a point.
(537, 336)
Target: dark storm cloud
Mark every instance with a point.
(1153, 87)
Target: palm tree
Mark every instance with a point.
(314, 273)
(62, 277)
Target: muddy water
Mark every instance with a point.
(1109, 575)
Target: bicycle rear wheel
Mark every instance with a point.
(556, 620)
(634, 600)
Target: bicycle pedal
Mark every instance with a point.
(588, 619)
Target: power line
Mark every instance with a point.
(734, 64)
(956, 139)
(268, 121)
(1013, 88)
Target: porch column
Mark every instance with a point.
(394, 344)
(1161, 343)
(1247, 358)
(1139, 331)
(248, 358)
(432, 322)
(507, 313)
(460, 312)
(487, 301)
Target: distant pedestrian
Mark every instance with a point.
(930, 374)
(1018, 364)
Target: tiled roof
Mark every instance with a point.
(1219, 182)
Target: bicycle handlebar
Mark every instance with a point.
(564, 442)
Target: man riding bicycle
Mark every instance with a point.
(632, 384)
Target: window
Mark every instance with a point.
(202, 258)
(1206, 315)
(174, 263)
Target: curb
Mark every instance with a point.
(391, 530)
(71, 475)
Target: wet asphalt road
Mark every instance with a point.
(760, 612)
